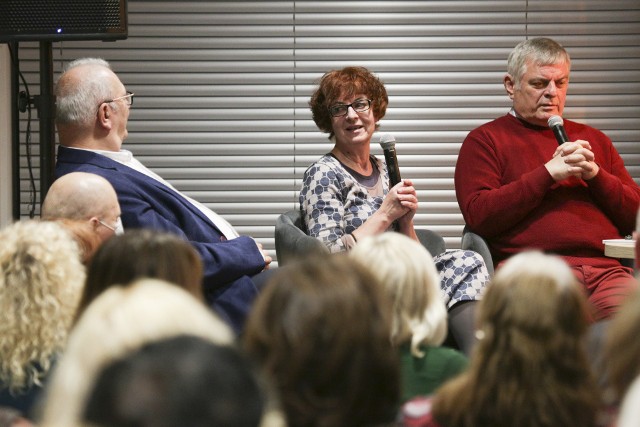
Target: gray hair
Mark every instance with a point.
(77, 100)
(540, 51)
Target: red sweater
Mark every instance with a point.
(507, 195)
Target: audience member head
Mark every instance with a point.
(84, 235)
(538, 51)
(92, 106)
(407, 271)
(320, 330)
(622, 349)
(87, 197)
(143, 253)
(181, 381)
(41, 279)
(531, 354)
(118, 321)
(346, 83)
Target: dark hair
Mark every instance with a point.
(320, 330)
(346, 82)
(142, 253)
(182, 381)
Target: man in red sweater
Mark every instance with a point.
(520, 190)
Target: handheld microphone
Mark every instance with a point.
(556, 124)
(388, 144)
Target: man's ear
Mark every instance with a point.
(509, 84)
(95, 222)
(104, 115)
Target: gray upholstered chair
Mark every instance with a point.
(431, 240)
(292, 241)
(474, 242)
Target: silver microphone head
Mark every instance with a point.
(387, 141)
(555, 121)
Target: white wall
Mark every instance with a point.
(6, 206)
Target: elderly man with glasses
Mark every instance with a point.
(92, 110)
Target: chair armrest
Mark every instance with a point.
(291, 242)
(474, 242)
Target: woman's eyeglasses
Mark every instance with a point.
(359, 106)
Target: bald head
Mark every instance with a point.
(81, 196)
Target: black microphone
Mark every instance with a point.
(557, 125)
(388, 144)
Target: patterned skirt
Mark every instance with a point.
(463, 276)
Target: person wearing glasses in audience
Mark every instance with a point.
(85, 197)
(87, 205)
(345, 195)
(92, 111)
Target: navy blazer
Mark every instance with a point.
(147, 203)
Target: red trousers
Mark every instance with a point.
(607, 287)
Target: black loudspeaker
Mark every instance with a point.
(58, 20)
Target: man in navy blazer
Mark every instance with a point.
(92, 110)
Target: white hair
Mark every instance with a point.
(540, 51)
(77, 100)
(120, 320)
(533, 263)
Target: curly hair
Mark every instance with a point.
(345, 83)
(530, 366)
(40, 284)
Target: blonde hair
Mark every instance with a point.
(41, 281)
(408, 273)
(531, 355)
(120, 320)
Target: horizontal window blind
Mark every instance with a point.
(222, 88)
